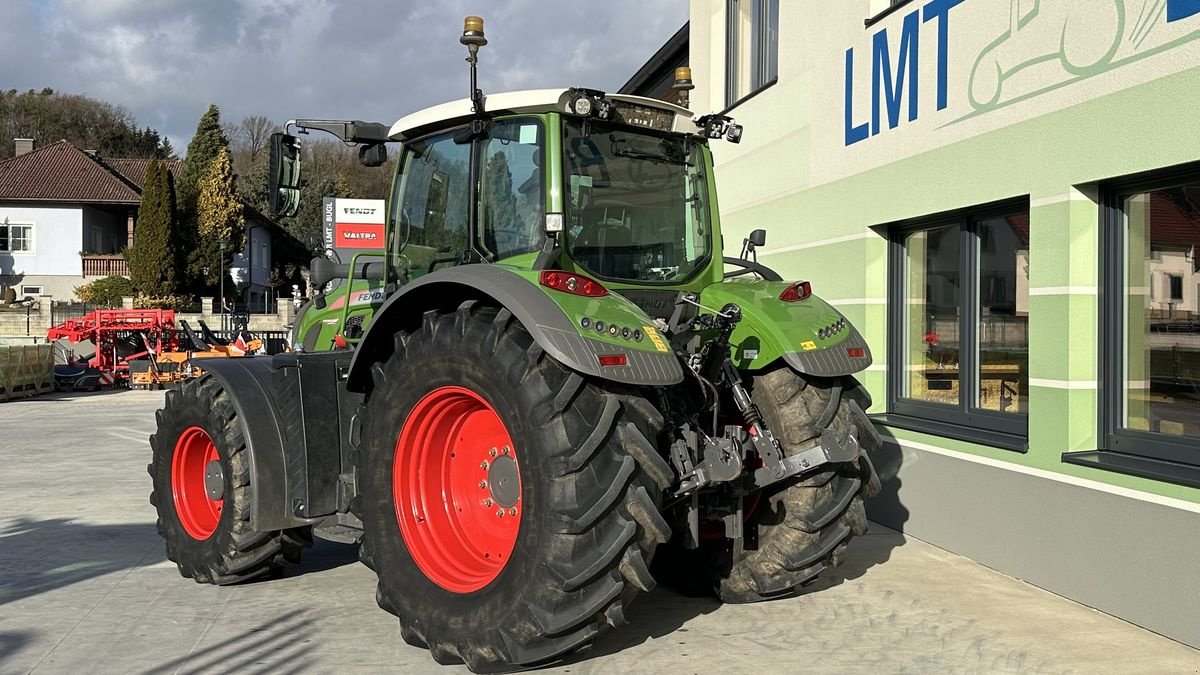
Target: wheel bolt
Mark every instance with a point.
(482, 484)
(483, 465)
(512, 511)
(487, 502)
(506, 449)
(492, 452)
(500, 513)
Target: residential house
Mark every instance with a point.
(67, 214)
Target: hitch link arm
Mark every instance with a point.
(831, 449)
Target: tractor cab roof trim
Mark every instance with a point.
(533, 100)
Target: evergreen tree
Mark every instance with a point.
(219, 216)
(153, 258)
(166, 150)
(208, 141)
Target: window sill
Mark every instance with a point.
(885, 13)
(749, 96)
(994, 439)
(1133, 465)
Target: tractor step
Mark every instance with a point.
(342, 534)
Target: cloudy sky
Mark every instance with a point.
(166, 60)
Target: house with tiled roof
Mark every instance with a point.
(66, 215)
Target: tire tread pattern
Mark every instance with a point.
(604, 484)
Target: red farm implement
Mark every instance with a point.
(120, 335)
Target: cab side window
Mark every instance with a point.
(431, 216)
(512, 191)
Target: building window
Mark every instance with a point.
(959, 308)
(16, 238)
(751, 47)
(31, 291)
(1151, 373)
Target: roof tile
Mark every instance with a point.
(62, 172)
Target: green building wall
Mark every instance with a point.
(1052, 137)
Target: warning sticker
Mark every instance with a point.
(655, 338)
(808, 345)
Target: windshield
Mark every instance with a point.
(637, 207)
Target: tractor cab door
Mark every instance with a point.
(429, 220)
(512, 189)
(430, 217)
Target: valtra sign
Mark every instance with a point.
(354, 224)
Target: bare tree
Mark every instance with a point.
(254, 134)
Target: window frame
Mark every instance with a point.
(484, 145)
(893, 6)
(964, 420)
(734, 50)
(1144, 453)
(704, 167)
(41, 290)
(30, 239)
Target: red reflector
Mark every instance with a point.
(612, 360)
(796, 292)
(856, 352)
(575, 284)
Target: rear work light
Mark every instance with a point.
(612, 360)
(856, 352)
(796, 292)
(575, 284)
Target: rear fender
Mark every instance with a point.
(772, 329)
(547, 323)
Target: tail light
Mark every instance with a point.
(609, 360)
(856, 352)
(796, 292)
(575, 284)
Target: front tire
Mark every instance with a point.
(202, 492)
(586, 517)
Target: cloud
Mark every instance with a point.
(166, 60)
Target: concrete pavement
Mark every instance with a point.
(85, 587)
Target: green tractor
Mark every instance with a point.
(546, 374)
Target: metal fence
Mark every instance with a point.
(61, 310)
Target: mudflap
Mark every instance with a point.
(297, 417)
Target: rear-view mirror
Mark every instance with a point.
(283, 176)
(758, 238)
(372, 155)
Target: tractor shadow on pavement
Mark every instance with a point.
(279, 644)
(667, 609)
(324, 555)
(12, 642)
(38, 556)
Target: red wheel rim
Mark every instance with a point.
(457, 487)
(198, 512)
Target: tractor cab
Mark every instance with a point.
(612, 186)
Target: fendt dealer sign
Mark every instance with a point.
(353, 224)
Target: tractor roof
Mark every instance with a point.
(531, 101)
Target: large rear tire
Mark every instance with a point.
(804, 526)
(573, 516)
(202, 491)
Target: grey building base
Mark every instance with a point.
(1134, 559)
